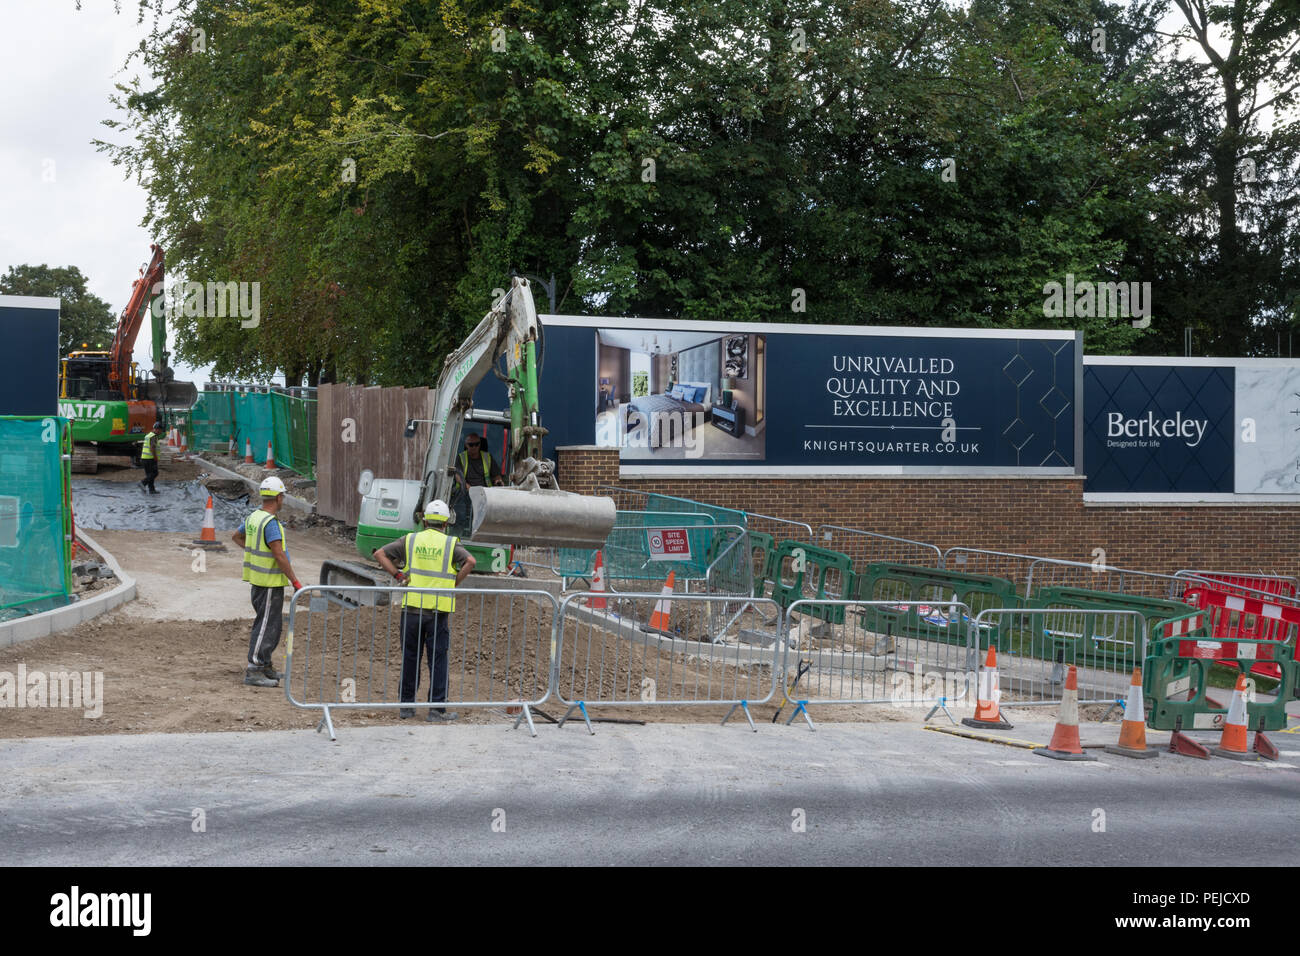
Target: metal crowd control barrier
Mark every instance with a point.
(868, 547)
(653, 501)
(1037, 646)
(794, 530)
(628, 650)
(344, 650)
(853, 662)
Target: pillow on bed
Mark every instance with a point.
(700, 392)
(678, 392)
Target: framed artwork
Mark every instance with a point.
(735, 357)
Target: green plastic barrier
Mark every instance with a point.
(1174, 687)
(888, 581)
(762, 551)
(802, 561)
(1096, 639)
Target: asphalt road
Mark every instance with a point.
(875, 794)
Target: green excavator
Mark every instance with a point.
(530, 510)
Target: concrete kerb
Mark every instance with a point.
(300, 503)
(65, 618)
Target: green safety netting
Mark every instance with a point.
(627, 554)
(255, 418)
(35, 514)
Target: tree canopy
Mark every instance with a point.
(381, 167)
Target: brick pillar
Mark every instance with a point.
(581, 468)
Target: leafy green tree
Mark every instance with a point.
(84, 318)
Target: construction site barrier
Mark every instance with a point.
(762, 552)
(807, 571)
(1281, 585)
(1177, 683)
(1036, 647)
(1235, 617)
(35, 514)
(630, 499)
(885, 585)
(1092, 644)
(256, 415)
(780, 527)
(639, 651)
(630, 554)
(857, 662)
(868, 547)
(343, 650)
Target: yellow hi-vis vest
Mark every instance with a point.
(147, 452)
(487, 466)
(259, 563)
(428, 563)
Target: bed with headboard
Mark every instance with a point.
(681, 407)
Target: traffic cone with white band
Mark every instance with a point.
(598, 584)
(987, 714)
(208, 534)
(1233, 742)
(659, 619)
(248, 451)
(1133, 731)
(1065, 743)
(270, 458)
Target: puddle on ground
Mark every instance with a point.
(101, 505)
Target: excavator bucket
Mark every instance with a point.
(540, 518)
(178, 395)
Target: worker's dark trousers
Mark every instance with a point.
(268, 603)
(424, 635)
(150, 473)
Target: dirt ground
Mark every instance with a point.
(173, 660)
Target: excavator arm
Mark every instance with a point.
(143, 291)
(532, 510)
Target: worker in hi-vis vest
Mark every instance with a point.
(149, 458)
(474, 466)
(267, 569)
(432, 559)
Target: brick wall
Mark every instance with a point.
(1043, 516)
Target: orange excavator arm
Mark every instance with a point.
(143, 292)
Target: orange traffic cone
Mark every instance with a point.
(208, 534)
(1065, 738)
(987, 714)
(598, 584)
(270, 457)
(663, 607)
(1133, 731)
(248, 451)
(1233, 742)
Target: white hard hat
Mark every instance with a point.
(271, 487)
(437, 510)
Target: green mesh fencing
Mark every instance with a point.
(35, 514)
(627, 555)
(212, 422)
(293, 424)
(635, 501)
(254, 418)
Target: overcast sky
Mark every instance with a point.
(58, 66)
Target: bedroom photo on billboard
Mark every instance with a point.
(672, 395)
